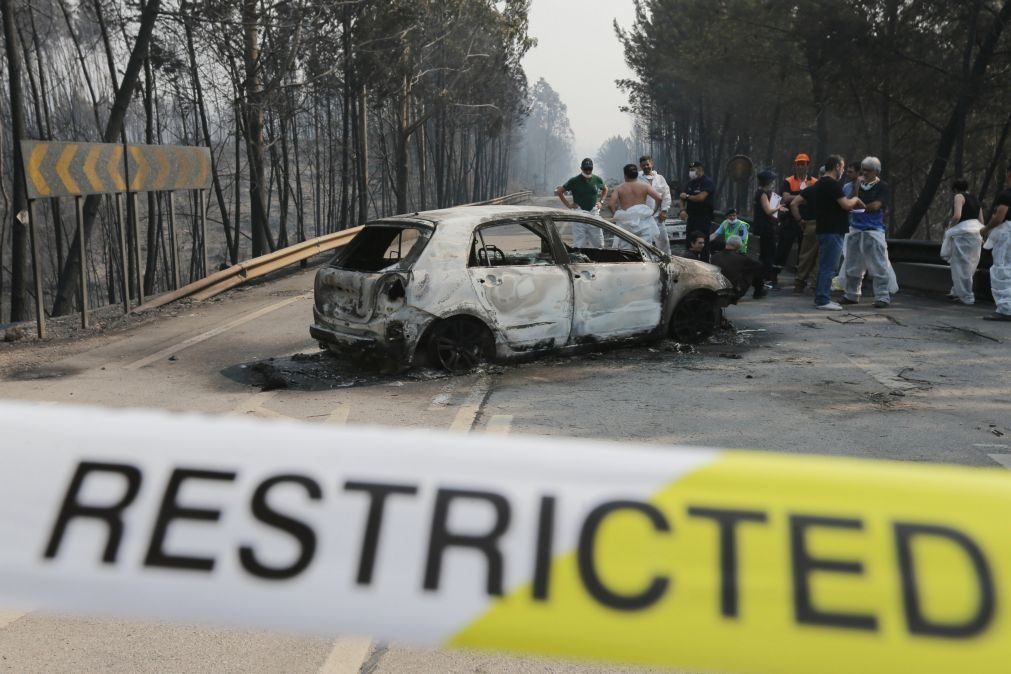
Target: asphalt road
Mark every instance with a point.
(920, 381)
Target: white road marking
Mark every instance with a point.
(7, 617)
(339, 415)
(254, 405)
(992, 446)
(499, 424)
(471, 407)
(1002, 459)
(347, 656)
(884, 376)
(204, 336)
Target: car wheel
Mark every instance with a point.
(459, 344)
(695, 318)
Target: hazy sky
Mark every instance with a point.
(580, 57)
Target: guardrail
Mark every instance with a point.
(237, 274)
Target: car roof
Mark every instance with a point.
(468, 216)
(455, 225)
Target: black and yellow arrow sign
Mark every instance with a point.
(74, 169)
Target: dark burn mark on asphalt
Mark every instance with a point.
(45, 373)
(324, 371)
(321, 371)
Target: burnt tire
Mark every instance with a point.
(459, 344)
(695, 318)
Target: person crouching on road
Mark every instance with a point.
(732, 226)
(631, 212)
(696, 246)
(998, 240)
(588, 193)
(962, 243)
(742, 271)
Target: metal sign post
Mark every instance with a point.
(40, 309)
(58, 169)
(79, 208)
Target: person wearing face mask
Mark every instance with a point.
(866, 248)
(588, 193)
(697, 202)
(831, 209)
(649, 176)
(763, 224)
(732, 226)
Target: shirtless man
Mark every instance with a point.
(631, 213)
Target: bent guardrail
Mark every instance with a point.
(237, 274)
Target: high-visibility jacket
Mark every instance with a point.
(796, 185)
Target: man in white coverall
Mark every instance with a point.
(998, 239)
(631, 212)
(659, 183)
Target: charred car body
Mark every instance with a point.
(455, 286)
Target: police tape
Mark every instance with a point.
(713, 560)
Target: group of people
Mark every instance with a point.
(839, 218)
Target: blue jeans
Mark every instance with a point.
(829, 253)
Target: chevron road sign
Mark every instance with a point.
(74, 169)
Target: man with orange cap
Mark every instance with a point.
(791, 228)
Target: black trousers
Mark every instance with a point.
(767, 253)
(789, 232)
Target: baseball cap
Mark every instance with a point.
(586, 164)
(801, 157)
(695, 164)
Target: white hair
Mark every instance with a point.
(871, 163)
(734, 242)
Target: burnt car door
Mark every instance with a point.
(521, 286)
(617, 290)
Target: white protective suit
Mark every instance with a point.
(961, 248)
(587, 236)
(639, 220)
(999, 242)
(839, 281)
(659, 183)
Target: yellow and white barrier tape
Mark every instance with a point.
(714, 560)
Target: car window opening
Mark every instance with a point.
(381, 248)
(603, 255)
(511, 245)
(587, 242)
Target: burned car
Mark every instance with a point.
(453, 287)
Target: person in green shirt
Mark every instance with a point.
(732, 226)
(588, 193)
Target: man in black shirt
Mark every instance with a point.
(831, 208)
(998, 240)
(697, 202)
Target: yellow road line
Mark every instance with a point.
(471, 407)
(499, 424)
(347, 656)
